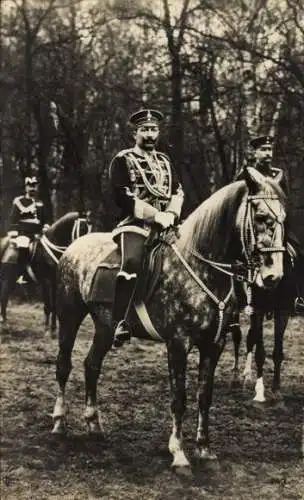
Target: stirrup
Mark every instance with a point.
(299, 305)
(21, 281)
(122, 334)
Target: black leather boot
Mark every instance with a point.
(124, 292)
(299, 305)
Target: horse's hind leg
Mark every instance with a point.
(102, 343)
(8, 278)
(280, 323)
(53, 306)
(70, 320)
(45, 287)
(177, 363)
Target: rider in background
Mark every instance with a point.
(146, 189)
(27, 219)
(261, 158)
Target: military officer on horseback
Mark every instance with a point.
(27, 219)
(262, 160)
(146, 189)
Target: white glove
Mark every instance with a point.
(45, 228)
(165, 219)
(12, 234)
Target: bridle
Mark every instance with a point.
(250, 249)
(51, 248)
(248, 236)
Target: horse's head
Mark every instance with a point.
(262, 228)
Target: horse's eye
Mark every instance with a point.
(260, 219)
(270, 223)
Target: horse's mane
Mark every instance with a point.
(212, 224)
(66, 218)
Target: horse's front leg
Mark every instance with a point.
(250, 343)
(257, 327)
(8, 278)
(209, 356)
(280, 323)
(177, 364)
(236, 334)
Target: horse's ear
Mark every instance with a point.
(253, 179)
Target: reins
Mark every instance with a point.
(221, 304)
(50, 247)
(248, 246)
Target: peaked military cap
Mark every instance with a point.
(146, 116)
(257, 142)
(29, 181)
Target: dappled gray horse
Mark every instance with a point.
(192, 300)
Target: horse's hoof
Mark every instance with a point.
(247, 378)
(182, 471)
(94, 427)
(259, 399)
(59, 426)
(205, 454)
(276, 396)
(236, 383)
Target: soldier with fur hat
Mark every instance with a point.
(146, 189)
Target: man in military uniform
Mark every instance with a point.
(26, 219)
(146, 189)
(262, 157)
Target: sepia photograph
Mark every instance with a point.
(152, 249)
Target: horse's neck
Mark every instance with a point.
(62, 234)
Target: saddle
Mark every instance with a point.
(104, 279)
(9, 252)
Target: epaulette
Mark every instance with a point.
(123, 152)
(164, 155)
(17, 199)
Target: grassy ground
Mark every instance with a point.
(258, 448)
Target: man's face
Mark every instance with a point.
(264, 153)
(31, 189)
(146, 136)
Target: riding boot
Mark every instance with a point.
(124, 292)
(299, 305)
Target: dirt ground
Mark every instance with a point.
(258, 447)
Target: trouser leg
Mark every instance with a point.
(132, 246)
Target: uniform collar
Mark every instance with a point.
(142, 152)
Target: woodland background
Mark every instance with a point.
(72, 71)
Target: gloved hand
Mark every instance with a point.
(164, 219)
(45, 228)
(12, 234)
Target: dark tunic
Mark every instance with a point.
(27, 216)
(151, 179)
